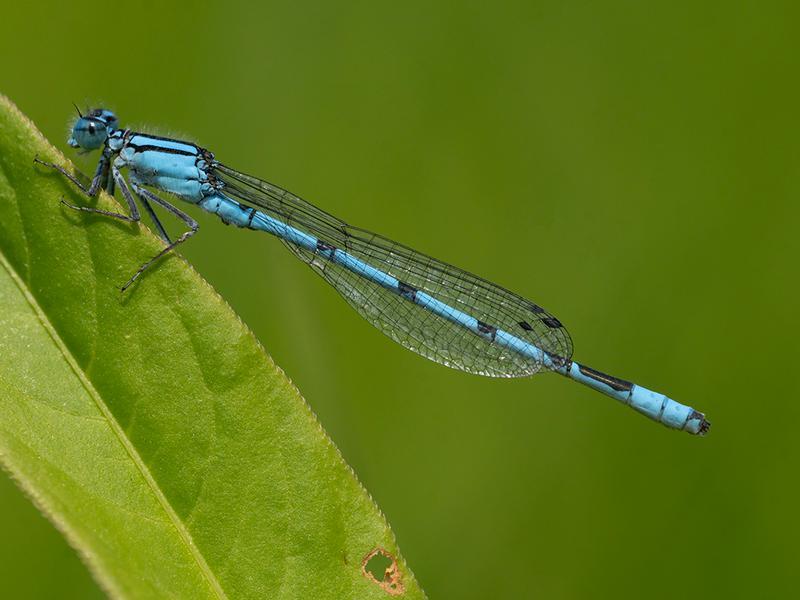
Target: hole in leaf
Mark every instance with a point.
(377, 566)
(381, 567)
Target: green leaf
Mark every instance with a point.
(151, 427)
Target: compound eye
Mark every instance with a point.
(92, 128)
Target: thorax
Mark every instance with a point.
(174, 166)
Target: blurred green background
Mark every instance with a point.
(631, 166)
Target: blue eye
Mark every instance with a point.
(91, 130)
(88, 133)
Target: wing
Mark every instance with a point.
(407, 323)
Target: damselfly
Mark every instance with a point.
(432, 308)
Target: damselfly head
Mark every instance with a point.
(91, 130)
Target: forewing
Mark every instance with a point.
(405, 322)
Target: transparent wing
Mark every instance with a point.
(405, 322)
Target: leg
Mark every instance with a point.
(109, 182)
(101, 179)
(147, 195)
(120, 181)
(97, 180)
(162, 233)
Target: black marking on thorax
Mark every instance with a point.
(160, 149)
(614, 383)
(129, 135)
(120, 136)
(164, 138)
(209, 169)
(206, 155)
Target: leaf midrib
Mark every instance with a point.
(150, 481)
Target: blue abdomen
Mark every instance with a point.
(230, 211)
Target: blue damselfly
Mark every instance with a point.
(439, 311)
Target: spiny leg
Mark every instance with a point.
(126, 193)
(109, 176)
(98, 180)
(101, 179)
(109, 181)
(145, 195)
(162, 233)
